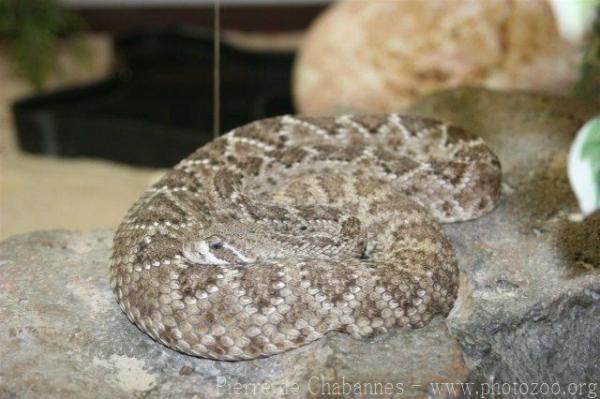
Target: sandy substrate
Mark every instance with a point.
(39, 192)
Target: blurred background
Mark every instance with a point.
(99, 97)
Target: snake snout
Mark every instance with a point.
(199, 252)
(214, 251)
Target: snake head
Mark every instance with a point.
(215, 250)
(245, 243)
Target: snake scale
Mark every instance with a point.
(287, 228)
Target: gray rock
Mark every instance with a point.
(528, 308)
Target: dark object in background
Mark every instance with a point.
(158, 107)
(236, 15)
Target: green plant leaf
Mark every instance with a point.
(584, 166)
(590, 151)
(31, 30)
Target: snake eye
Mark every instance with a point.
(215, 243)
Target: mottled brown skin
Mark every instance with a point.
(287, 228)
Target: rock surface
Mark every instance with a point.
(528, 308)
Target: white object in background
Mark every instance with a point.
(574, 17)
(584, 166)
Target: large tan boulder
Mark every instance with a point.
(375, 56)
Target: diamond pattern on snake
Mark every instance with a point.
(288, 228)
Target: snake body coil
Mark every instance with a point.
(287, 228)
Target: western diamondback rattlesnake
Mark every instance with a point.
(287, 228)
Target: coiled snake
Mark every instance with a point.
(287, 228)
